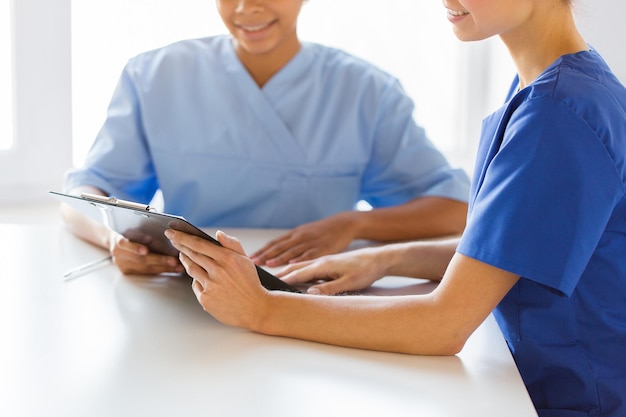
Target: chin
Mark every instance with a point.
(465, 36)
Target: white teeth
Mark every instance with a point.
(457, 12)
(255, 28)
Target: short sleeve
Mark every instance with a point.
(404, 163)
(545, 197)
(119, 162)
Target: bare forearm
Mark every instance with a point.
(424, 217)
(395, 324)
(82, 226)
(423, 259)
(438, 323)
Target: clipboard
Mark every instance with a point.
(142, 224)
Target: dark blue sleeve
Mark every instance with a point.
(545, 198)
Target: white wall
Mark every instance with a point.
(397, 38)
(42, 107)
(602, 24)
(43, 102)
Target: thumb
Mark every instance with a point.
(229, 242)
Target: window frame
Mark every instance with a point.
(41, 59)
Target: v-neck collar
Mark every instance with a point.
(275, 86)
(262, 102)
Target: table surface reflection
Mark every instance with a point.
(106, 344)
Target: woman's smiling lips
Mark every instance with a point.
(258, 28)
(456, 15)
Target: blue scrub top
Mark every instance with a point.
(325, 132)
(548, 203)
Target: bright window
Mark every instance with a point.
(37, 94)
(397, 35)
(66, 56)
(6, 76)
(106, 33)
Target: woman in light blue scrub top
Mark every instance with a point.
(258, 129)
(544, 248)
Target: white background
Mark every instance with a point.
(398, 38)
(67, 56)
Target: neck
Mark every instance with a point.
(263, 66)
(549, 34)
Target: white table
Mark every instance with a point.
(110, 345)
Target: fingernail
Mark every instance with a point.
(169, 233)
(313, 291)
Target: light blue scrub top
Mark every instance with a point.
(548, 203)
(325, 132)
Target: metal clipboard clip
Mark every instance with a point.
(117, 202)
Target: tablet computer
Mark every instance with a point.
(140, 223)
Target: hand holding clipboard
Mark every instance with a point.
(140, 223)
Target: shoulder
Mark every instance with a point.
(342, 75)
(578, 86)
(335, 57)
(585, 85)
(337, 64)
(576, 106)
(181, 52)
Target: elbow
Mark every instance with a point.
(452, 347)
(448, 218)
(442, 342)
(440, 349)
(457, 219)
(448, 346)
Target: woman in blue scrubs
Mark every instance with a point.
(545, 243)
(258, 129)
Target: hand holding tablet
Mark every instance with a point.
(140, 223)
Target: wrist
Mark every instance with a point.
(107, 238)
(393, 257)
(352, 223)
(266, 319)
